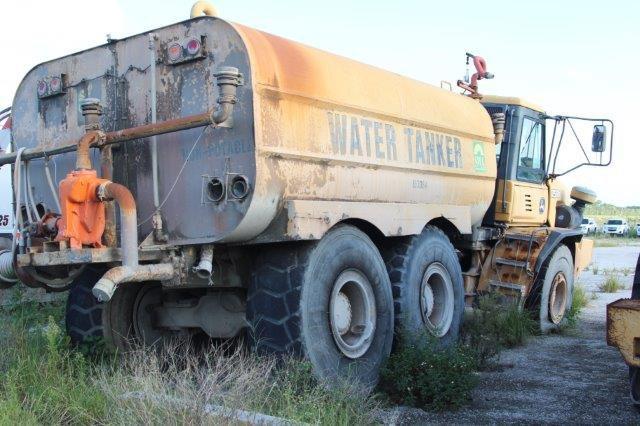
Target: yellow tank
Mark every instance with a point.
(316, 138)
(333, 135)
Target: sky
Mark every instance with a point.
(571, 57)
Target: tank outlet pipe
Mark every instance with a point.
(131, 270)
(105, 287)
(204, 269)
(228, 79)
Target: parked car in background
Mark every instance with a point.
(588, 226)
(616, 226)
(637, 230)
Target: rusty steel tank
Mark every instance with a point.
(315, 138)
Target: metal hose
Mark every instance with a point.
(7, 273)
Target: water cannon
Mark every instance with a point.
(471, 84)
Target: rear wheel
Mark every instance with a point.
(329, 301)
(123, 321)
(427, 286)
(555, 295)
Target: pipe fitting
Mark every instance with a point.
(228, 79)
(204, 269)
(109, 191)
(203, 8)
(105, 287)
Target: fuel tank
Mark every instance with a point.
(308, 126)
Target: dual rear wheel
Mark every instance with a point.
(338, 301)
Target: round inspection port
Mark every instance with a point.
(239, 187)
(215, 190)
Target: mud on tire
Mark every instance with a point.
(291, 307)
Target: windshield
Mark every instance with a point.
(585, 221)
(614, 222)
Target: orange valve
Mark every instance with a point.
(83, 214)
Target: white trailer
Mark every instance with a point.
(6, 196)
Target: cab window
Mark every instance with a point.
(531, 154)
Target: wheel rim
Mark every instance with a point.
(352, 313)
(437, 299)
(147, 298)
(558, 298)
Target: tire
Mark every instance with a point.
(83, 317)
(634, 372)
(558, 267)
(297, 294)
(410, 261)
(92, 325)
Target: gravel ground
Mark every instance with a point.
(555, 379)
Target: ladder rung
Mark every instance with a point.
(510, 262)
(510, 286)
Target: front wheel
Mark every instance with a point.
(555, 295)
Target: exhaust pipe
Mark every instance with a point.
(131, 270)
(204, 269)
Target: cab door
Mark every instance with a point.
(522, 193)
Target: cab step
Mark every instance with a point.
(510, 262)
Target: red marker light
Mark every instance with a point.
(193, 46)
(175, 52)
(55, 84)
(42, 88)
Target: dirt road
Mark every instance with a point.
(558, 378)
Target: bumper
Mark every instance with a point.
(616, 231)
(623, 329)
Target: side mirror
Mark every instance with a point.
(599, 139)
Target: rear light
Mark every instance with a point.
(42, 88)
(174, 52)
(185, 50)
(193, 47)
(51, 86)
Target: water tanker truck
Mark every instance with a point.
(215, 180)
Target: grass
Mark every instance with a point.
(47, 382)
(580, 301)
(494, 326)
(424, 376)
(611, 285)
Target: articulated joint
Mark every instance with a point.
(228, 80)
(105, 287)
